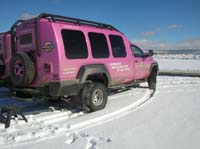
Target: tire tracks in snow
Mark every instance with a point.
(45, 125)
(40, 128)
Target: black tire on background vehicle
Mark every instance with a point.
(2, 67)
(94, 96)
(22, 70)
(152, 79)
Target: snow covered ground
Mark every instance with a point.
(178, 56)
(132, 119)
(178, 63)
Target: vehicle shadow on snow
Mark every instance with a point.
(4, 92)
(36, 106)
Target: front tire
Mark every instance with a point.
(152, 80)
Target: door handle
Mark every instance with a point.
(136, 61)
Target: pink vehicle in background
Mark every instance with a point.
(57, 56)
(5, 56)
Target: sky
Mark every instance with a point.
(155, 24)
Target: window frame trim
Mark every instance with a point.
(85, 39)
(139, 50)
(125, 49)
(23, 44)
(107, 42)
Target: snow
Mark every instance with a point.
(131, 119)
(178, 56)
(182, 63)
(179, 65)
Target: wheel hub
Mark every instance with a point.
(18, 69)
(97, 97)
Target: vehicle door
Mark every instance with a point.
(139, 63)
(25, 37)
(1, 45)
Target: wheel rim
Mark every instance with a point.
(18, 69)
(97, 97)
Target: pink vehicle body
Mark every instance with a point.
(54, 70)
(5, 56)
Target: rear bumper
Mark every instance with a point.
(53, 89)
(1, 83)
(5, 82)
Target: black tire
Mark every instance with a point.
(152, 80)
(2, 66)
(53, 99)
(27, 70)
(94, 96)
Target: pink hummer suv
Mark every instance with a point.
(5, 56)
(58, 56)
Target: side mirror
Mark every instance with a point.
(151, 52)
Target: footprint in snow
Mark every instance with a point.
(92, 141)
(71, 137)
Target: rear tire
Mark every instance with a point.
(22, 70)
(94, 96)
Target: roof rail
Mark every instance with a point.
(77, 21)
(12, 30)
(15, 24)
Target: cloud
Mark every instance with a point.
(157, 30)
(149, 44)
(188, 44)
(175, 26)
(150, 33)
(159, 45)
(26, 16)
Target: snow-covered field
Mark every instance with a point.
(132, 119)
(178, 56)
(179, 63)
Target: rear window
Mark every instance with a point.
(25, 39)
(75, 44)
(118, 48)
(99, 45)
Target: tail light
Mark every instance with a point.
(47, 67)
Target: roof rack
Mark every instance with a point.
(15, 24)
(54, 17)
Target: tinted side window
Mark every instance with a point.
(75, 44)
(136, 51)
(118, 47)
(99, 45)
(1, 47)
(25, 39)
